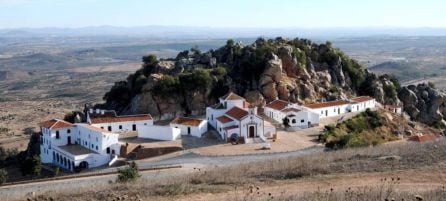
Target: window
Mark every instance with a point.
(302, 120)
(120, 127)
(96, 147)
(109, 128)
(102, 127)
(293, 121)
(97, 139)
(145, 124)
(68, 131)
(57, 135)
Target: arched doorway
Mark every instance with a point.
(251, 131)
(83, 165)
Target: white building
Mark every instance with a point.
(297, 116)
(77, 146)
(361, 103)
(108, 120)
(330, 109)
(190, 126)
(165, 133)
(233, 117)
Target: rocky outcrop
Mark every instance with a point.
(292, 70)
(423, 103)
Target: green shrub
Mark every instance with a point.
(31, 166)
(166, 86)
(3, 176)
(350, 132)
(219, 71)
(128, 174)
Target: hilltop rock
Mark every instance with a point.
(423, 103)
(296, 70)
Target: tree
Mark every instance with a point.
(3, 176)
(31, 165)
(131, 173)
(73, 117)
(230, 43)
(149, 59)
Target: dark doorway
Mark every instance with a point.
(326, 113)
(251, 132)
(83, 165)
(113, 152)
(339, 110)
(108, 150)
(188, 130)
(357, 107)
(69, 139)
(309, 124)
(109, 128)
(134, 127)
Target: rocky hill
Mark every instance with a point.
(296, 70)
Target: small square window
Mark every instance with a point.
(120, 127)
(302, 121)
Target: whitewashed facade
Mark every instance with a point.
(190, 126)
(330, 109)
(165, 133)
(76, 146)
(361, 103)
(297, 116)
(108, 120)
(233, 116)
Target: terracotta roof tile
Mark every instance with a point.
(187, 121)
(237, 113)
(56, 124)
(361, 99)
(110, 119)
(277, 105)
(224, 119)
(422, 138)
(232, 96)
(291, 110)
(327, 104)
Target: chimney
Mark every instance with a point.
(91, 110)
(97, 110)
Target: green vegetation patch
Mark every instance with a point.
(359, 131)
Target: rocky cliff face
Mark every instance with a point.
(425, 104)
(293, 70)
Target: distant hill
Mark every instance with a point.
(13, 74)
(406, 70)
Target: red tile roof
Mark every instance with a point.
(291, 110)
(277, 105)
(224, 119)
(229, 128)
(237, 113)
(109, 119)
(187, 121)
(232, 96)
(361, 99)
(56, 124)
(327, 104)
(422, 138)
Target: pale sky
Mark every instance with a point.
(223, 13)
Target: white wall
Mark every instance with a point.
(331, 111)
(196, 131)
(125, 126)
(247, 121)
(160, 133)
(212, 115)
(275, 114)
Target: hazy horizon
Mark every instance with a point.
(287, 14)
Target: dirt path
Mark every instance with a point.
(410, 180)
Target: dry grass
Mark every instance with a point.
(240, 181)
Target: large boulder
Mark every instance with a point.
(269, 92)
(290, 66)
(255, 98)
(273, 69)
(423, 103)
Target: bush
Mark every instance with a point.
(3, 176)
(352, 132)
(31, 166)
(149, 59)
(431, 84)
(72, 117)
(168, 85)
(219, 71)
(128, 174)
